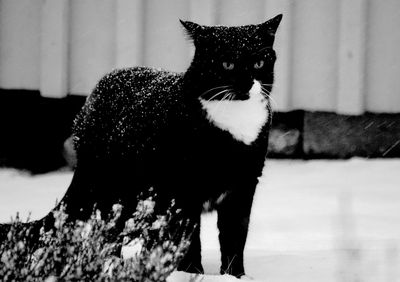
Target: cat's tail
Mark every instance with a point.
(75, 204)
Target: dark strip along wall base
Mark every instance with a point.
(33, 131)
(324, 135)
(329, 135)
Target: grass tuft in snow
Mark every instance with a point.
(88, 250)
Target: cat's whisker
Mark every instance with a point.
(266, 93)
(272, 100)
(226, 96)
(223, 110)
(269, 97)
(224, 105)
(216, 95)
(270, 85)
(219, 93)
(214, 88)
(265, 90)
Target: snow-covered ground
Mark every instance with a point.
(311, 221)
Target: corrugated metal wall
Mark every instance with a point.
(333, 55)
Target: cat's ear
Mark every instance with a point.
(192, 29)
(271, 25)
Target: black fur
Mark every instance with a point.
(144, 128)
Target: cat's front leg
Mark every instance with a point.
(233, 222)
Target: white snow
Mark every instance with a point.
(133, 249)
(20, 192)
(311, 220)
(180, 276)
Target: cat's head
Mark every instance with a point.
(228, 61)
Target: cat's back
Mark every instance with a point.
(126, 107)
(137, 85)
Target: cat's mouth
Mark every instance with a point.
(255, 90)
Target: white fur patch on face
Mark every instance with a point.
(242, 119)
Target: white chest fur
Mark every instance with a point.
(242, 119)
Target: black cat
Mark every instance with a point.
(199, 137)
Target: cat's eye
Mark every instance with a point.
(228, 66)
(259, 64)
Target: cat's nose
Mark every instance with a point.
(242, 96)
(243, 89)
(244, 84)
